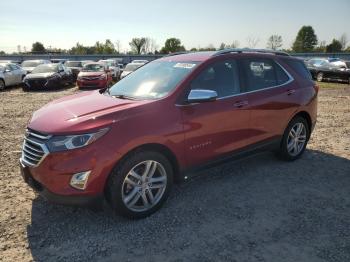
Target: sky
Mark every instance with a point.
(197, 23)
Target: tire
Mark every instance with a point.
(129, 194)
(288, 151)
(2, 85)
(349, 80)
(320, 77)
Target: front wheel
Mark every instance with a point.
(2, 85)
(139, 186)
(294, 139)
(319, 77)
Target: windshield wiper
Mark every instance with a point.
(120, 96)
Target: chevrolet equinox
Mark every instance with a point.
(128, 143)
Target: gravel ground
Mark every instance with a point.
(255, 209)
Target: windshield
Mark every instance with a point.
(93, 68)
(30, 63)
(45, 69)
(73, 64)
(108, 62)
(132, 67)
(152, 81)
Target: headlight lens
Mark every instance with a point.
(102, 77)
(62, 143)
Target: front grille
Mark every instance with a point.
(34, 149)
(37, 82)
(90, 78)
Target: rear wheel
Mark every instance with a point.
(294, 139)
(140, 184)
(2, 85)
(319, 77)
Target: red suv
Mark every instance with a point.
(94, 75)
(127, 144)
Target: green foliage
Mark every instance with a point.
(2, 53)
(306, 40)
(99, 48)
(334, 47)
(274, 42)
(137, 45)
(172, 45)
(38, 47)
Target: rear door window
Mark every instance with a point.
(263, 73)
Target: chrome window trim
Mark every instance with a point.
(290, 80)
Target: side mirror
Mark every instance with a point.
(202, 95)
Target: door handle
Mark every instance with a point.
(290, 92)
(240, 104)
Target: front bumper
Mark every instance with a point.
(92, 83)
(72, 200)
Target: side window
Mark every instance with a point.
(13, 67)
(300, 68)
(263, 73)
(221, 77)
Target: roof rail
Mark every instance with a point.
(249, 50)
(177, 53)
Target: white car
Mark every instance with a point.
(113, 67)
(29, 65)
(129, 68)
(140, 61)
(10, 74)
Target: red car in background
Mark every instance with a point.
(94, 75)
(127, 144)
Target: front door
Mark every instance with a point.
(215, 128)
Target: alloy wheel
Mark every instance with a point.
(296, 139)
(144, 186)
(2, 85)
(319, 77)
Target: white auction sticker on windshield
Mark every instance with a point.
(185, 65)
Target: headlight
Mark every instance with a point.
(62, 143)
(79, 77)
(103, 77)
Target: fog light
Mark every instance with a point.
(79, 180)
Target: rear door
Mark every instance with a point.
(9, 75)
(215, 128)
(273, 97)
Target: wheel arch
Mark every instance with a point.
(155, 147)
(304, 115)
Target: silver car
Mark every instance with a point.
(29, 65)
(10, 74)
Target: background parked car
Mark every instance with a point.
(129, 68)
(58, 60)
(29, 65)
(140, 61)
(94, 75)
(329, 69)
(10, 74)
(75, 66)
(113, 67)
(48, 76)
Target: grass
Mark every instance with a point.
(332, 85)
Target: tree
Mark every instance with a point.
(2, 53)
(137, 45)
(343, 40)
(274, 42)
(252, 41)
(38, 47)
(150, 46)
(321, 48)
(172, 45)
(334, 47)
(306, 40)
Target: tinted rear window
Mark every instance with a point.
(299, 68)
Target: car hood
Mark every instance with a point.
(81, 113)
(28, 69)
(91, 73)
(39, 75)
